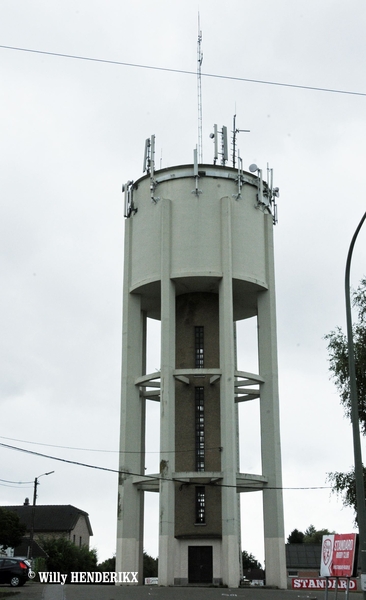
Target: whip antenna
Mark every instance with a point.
(199, 91)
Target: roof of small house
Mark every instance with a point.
(303, 556)
(50, 517)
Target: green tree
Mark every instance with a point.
(296, 537)
(344, 483)
(249, 561)
(11, 529)
(150, 566)
(338, 357)
(108, 565)
(315, 536)
(309, 536)
(64, 556)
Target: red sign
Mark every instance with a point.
(320, 584)
(338, 555)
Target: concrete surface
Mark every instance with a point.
(37, 591)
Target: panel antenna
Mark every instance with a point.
(224, 147)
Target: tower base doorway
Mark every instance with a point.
(200, 564)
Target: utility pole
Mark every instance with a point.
(31, 535)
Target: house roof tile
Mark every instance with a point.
(47, 518)
(303, 556)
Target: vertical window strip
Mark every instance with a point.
(200, 504)
(200, 429)
(198, 344)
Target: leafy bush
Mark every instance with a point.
(65, 557)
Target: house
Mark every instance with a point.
(255, 576)
(303, 560)
(55, 521)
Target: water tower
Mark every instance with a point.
(198, 256)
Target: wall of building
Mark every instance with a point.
(198, 308)
(185, 513)
(181, 560)
(80, 534)
(192, 310)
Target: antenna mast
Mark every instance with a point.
(235, 132)
(199, 91)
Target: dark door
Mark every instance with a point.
(199, 564)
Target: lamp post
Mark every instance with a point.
(31, 535)
(360, 487)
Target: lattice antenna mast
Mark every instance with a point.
(199, 91)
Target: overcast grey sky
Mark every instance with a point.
(72, 131)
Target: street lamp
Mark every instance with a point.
(360, 487)
(31, 536)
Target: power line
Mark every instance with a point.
(16, 482)
(29, 487)
(100, 450)
(56, 446)
(120, 472)
(186, 72)
(72, 462)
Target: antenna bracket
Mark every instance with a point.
(153, 185)
(267, 194)
(240, 178)
(195, 172)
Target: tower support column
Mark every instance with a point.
(229, 461)
(129, 555)
(167, 404)
(274, 542)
